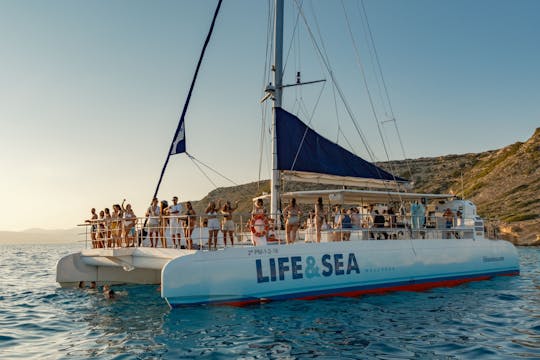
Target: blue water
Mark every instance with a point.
(489, 319)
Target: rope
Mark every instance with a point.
(202, 171)
(210, 168)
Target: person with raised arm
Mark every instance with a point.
(130, 220)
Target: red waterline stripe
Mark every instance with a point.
(381, 290)
(374, 290)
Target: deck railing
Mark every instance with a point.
(192, 232)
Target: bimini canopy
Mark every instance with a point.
(351, 196)
(304, 155)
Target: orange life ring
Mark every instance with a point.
(254, 229)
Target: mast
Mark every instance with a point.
(278, 83)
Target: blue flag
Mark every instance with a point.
(179, 143)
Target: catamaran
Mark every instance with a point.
(416, 249)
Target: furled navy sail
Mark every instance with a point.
(304, 155)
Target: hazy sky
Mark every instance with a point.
(91, 91)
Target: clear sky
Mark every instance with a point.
(91, 91)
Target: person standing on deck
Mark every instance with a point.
(258, 218)
(191, 220)
(116, 225)
(101, 230)
(153, 222)
(449, 221)
(130, 220)
(228, 223)
(108, 223)
(93, 227)
(163, 222)
(175, 210)
(292, 213)
(213, 224)
(320, 216)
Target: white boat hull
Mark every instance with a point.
(115, 266)
(240, 276)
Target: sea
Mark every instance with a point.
(495, 319)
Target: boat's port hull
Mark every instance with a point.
(115, 266)
(309, 271)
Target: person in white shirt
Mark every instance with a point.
(175, 210)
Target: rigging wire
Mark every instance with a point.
(307, 127)
(266, 76)
(340, 92)
(371, 53)
(393, 118)
(296, 22)
(364, 78)
(197, 161)
(205, 175)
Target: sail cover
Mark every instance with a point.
(306, 154)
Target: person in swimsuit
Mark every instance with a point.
(93, 226)
(292, 213)
(116, 226)
(108, 231)
(213, 224)
(152, 215)
(101, 231)
(320, 216)
(258, 209)
(191, 220)
(130, 219)
(163, 222)
(228, 223)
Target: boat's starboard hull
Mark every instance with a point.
(240, 276)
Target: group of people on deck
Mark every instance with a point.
(112, 229)
(343, 220)
(165, 222)
(119, 227)
(338, 221)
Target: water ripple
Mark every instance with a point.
(489, 319)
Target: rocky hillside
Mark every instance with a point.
(504, 184)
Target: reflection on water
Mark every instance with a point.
(494, 319)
